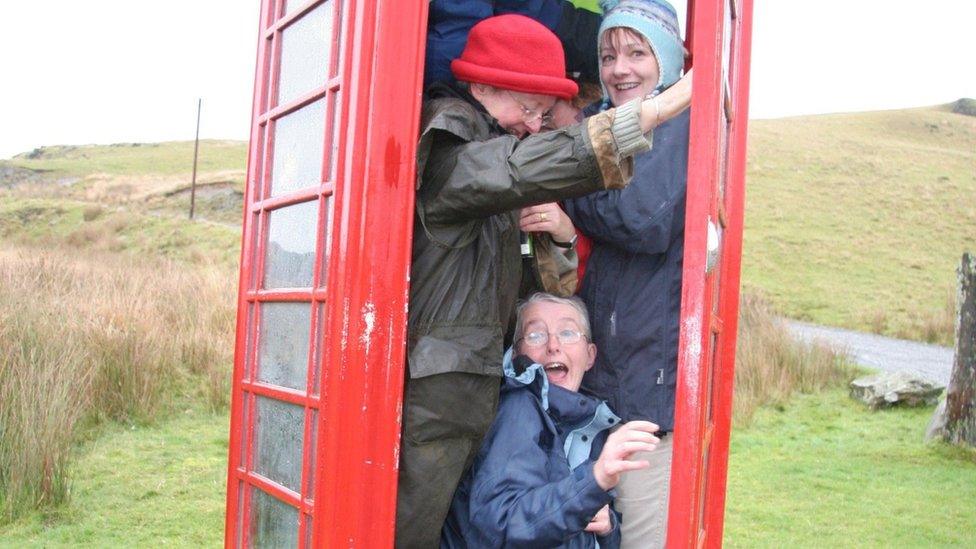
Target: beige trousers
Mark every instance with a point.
(642, 500)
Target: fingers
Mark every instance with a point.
(548, 218)
(616, 467)
(629, 439)
(641, 425)
(600, 523)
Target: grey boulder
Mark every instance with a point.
(895, 389)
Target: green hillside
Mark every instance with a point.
(127, 197)
(854, 220)
(859, 220)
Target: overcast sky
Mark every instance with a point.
(107, 71)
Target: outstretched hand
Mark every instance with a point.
(631, 437)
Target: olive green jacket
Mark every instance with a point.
(472, 178)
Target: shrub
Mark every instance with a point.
(44, 380)
(771, 365)
(107, 337)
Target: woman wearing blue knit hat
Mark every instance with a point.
(632, 285)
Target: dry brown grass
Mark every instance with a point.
(771, 365)
(935, 326)
(105, 337)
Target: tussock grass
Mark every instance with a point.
(771, 365)
(105, 337)
(43, 223)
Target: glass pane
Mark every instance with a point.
(279, 433)
(239, 535)
(298, 138)
(310, 478)
(249, 356)
(306, 47)
(308, 531)
(283, 358)
(273, 523)
(290, 251)
(334, 142)
(245, 421)
(319, 352)
(292, 5)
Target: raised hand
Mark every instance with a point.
(631, 437)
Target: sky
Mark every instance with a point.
(111, 71)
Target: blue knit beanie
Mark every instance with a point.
(656, 21)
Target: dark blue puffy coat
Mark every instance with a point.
(632, 285)
(521, 490)
(449, 21)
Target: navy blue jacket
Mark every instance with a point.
(449, 21)
(632, 285)
(520, 490)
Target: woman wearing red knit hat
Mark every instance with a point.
(478, 161)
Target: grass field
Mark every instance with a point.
(131, 159)
(825, 472)
(140, 487)
(859, 220)
(820, 472)
(854, 220)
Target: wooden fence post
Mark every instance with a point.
(960, 425)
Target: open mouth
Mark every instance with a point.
(556, 370)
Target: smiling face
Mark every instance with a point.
(518, 113)
(628, 68)
(565, 363)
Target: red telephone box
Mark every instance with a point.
(719, 34)
(320, 349)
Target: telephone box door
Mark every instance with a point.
(318, 368)
(720, 34)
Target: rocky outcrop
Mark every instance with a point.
(965, 106)
(895, 389)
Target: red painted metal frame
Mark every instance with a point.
(358, 445)
(719, 115)
(358, 317)
(358, 300)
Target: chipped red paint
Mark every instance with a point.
(358, 300)
(720, 40)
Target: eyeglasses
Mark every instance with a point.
(531, 115)
(564, 336)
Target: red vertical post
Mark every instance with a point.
(731, 267)
(360, 424)
(719, 40)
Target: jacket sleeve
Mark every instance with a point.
(555, 268)
(640, 217)
(513, 503)
(463, 180)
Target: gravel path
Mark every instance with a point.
(932, 362)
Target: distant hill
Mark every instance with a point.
(854, 220)
(859, 220)
(129, 196)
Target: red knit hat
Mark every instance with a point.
(514, 52)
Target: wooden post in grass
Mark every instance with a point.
(196, 148)
(960, 425)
